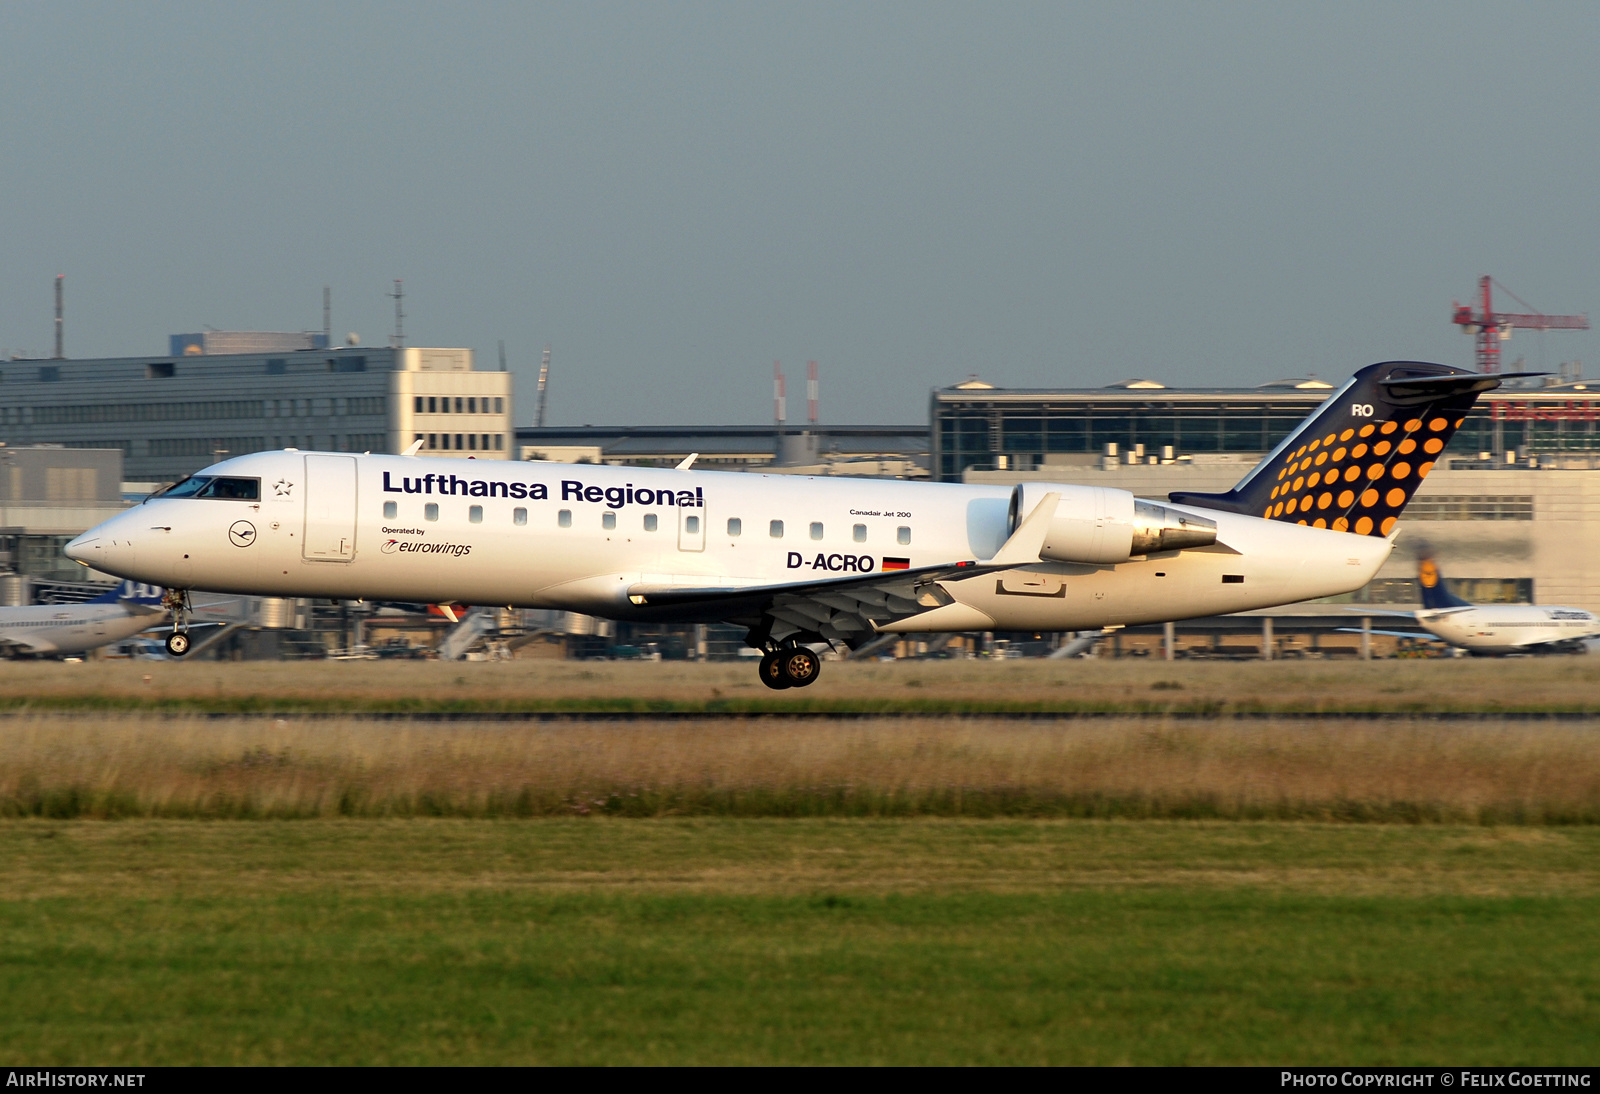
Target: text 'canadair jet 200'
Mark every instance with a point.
(800, 561)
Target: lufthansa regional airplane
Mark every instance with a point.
(46, 629)
(1489, 630)
(802, 561)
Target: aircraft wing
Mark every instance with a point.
(1394, 634)
(1381, 611)
(841, 610)
(848, 610)
(10, 647)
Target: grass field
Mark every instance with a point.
(1482, 772)
(1555, 684)
(771, 941)
(185, 884)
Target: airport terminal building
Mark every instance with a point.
(173, 414)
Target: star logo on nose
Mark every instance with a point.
(282, 487)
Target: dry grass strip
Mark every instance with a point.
(1431, 772)
(1569, 684)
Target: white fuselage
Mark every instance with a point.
(72, 628)
(577, 537)
(1508, 628)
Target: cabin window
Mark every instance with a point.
(608, 521)
(519, 517)
(475, 514)
(903, 536)
(816, 529)
(776, 529)
(649, 522)
(859, 533)
(430, 511)
(564, 518)
(391, 509)
(735, 526)
(691, 525)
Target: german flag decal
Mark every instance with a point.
(897, 564)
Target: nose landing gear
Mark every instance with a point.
(790, 667)
(176, 601)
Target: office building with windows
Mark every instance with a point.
(976, 426)
(171, 415)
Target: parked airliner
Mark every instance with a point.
(1491, 629)
(47, 629)
(802, 561)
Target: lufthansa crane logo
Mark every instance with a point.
(242, 533)
(1429, 573)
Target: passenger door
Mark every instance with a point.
(330, 534)
(691, 528)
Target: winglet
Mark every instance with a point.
(413, 448)
(1027, 541)
(687, 462)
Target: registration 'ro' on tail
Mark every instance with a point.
(1356, 460)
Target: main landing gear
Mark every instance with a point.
(790, 667)
(176, 601)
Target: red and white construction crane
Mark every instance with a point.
(1492, 327)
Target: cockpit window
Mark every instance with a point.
(184, 488)
(207, 486)
(233, 489)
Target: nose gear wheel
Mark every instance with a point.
(176, 601)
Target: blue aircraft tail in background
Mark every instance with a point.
(1434, 592)
(131, 592)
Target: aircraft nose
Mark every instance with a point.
(81, 549)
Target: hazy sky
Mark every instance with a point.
(675, 195)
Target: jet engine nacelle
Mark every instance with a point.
(1098, 525)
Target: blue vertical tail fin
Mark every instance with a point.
(1435, 594)
(131, 592)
